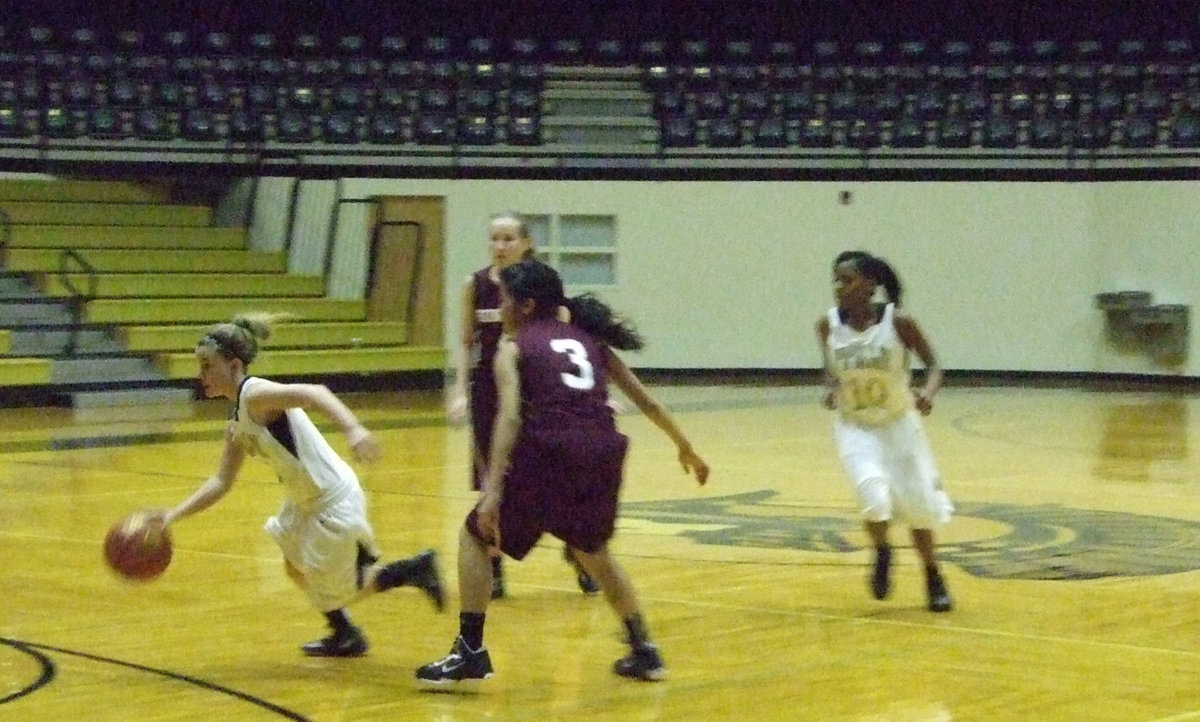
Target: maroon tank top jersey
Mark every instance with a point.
(564, 378)
(487, 319)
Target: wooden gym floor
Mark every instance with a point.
(1074, 562)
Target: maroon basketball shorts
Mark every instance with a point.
(565, 483)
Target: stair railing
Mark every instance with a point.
(79, 299)
(5, 229)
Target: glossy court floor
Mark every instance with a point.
(1074, 561)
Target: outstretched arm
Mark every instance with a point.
(268, 400)
(625, 380)
(213, 489)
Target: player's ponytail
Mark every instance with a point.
(876, 269)
(535, 281)
(239, 338)
(594, 316)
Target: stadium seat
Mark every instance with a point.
(1185, 131)
(678, 132)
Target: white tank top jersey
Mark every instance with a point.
(871, 367)
(310, 470)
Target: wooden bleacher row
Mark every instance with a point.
(164, 274)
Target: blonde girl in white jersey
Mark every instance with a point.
(328, 545)
(878, 432)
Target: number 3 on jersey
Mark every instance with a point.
(585, 379)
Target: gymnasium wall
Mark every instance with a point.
(734, 275)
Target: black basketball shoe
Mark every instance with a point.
(346, 642)
(462, 669)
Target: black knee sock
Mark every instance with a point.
(470, 628)
(636, 629)
(497, 567)
(339, 621)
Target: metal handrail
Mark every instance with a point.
(79, 298)
(5, 229)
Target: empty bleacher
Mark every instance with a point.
(396, 100)
(108, 285)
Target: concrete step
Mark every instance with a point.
(103, 370)
(14, 285)
(148, 397)
(581, 103)
(31, 310)
(55, 340)
(556, 74)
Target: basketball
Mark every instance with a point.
(134, 551)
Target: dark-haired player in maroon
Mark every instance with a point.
(556, 461)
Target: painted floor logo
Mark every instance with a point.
(1044, 541)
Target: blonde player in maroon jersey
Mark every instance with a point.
(878, 431)
(556, 462)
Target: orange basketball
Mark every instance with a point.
(136, 552)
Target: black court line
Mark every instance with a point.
(48, 673)
(48, 670)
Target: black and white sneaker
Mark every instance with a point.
(348, 642)
(939, 597)
(643, 662)
(463, 669)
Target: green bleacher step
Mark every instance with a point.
(320, 362)
(104, 214)
(108, 236)
(317, 334)
(139, 311)
(5, 340)
(80, 190)
(147, 285)
(24, 371)
(139, 261)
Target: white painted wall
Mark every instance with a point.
(734, 275)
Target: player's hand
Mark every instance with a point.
(155, 520)
(487, 516)
(924, 402)
(456, 410)
(692, 463)
(617, 407)
(366, 449)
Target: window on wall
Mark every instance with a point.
(582, 247)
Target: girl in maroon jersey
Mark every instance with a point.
(474, 387)
(556, 461)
